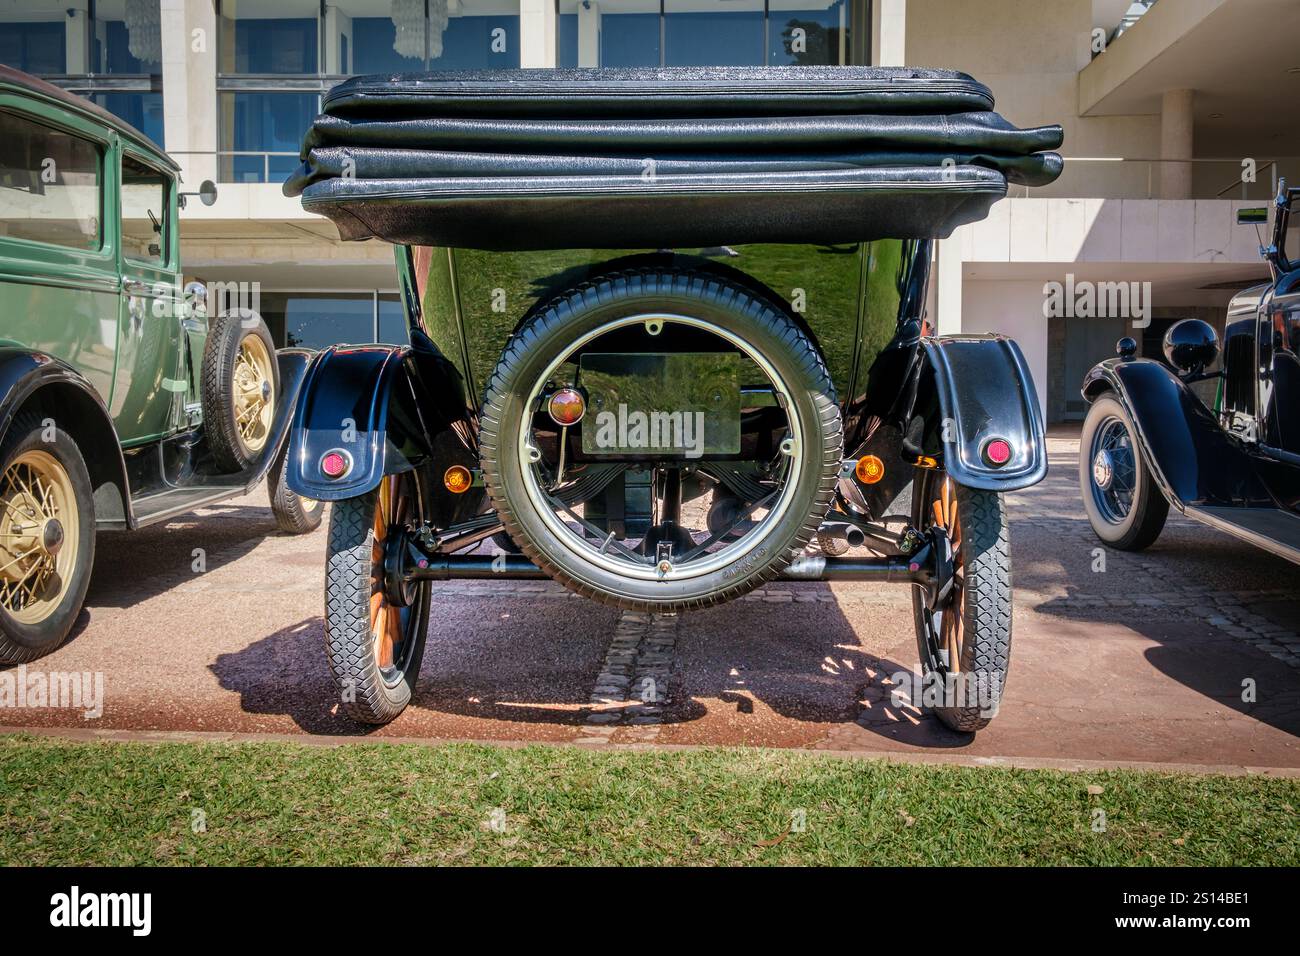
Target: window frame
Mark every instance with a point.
(167, 259)
(104, 146)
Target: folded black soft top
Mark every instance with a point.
(650, 158)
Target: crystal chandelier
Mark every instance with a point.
(408, 19)
(143, 30)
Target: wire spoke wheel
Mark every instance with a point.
(721, 482)
(1125, 506)
(253, 398)
(39, 536)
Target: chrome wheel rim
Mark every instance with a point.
(560, 520)
(1113, 470)
(253, 385)
(40, 531)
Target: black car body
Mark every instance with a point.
(1151, 442)
(567, 250)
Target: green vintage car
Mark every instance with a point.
(122, 402)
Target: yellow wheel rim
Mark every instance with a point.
(40, 536)
(253, 385)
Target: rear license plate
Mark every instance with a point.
(668, 405)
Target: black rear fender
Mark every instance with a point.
(969, 391)
(387, 409)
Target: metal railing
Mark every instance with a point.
(1262, 186)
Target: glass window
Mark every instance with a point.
(49, 184)
(807, 32)
(393, 327)
(144, 212)
(709, 33)
(474, 35)
(318, 319)
(261, 134)
(268, 36)
(127, 37)
(144, 111)
(374, 36)
(34, 36)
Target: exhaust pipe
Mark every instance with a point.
(850, 534)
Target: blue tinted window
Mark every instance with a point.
(629, 39)
(144, 111)
(393, 329)
(723, 38)
(316, 320)
(269, 46)
(479, 43)
(33, 47)
(807, 37)
(263, 123)
(372, 48)
(116, 53)
(566, 29)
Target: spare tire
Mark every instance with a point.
(241, 384)
(788, 494)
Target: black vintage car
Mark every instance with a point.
(667, 330)
(1149, 441)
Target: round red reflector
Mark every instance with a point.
(566, 406)
(998, 451)
(334, 464)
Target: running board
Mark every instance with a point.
(516, 567)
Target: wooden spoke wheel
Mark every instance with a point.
(374, 638)
(965, 641)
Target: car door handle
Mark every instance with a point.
(135, 287)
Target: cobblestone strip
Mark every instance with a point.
(634, 684)
(1226, 611)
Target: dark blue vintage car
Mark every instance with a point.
(1150, 442)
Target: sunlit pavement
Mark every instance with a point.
(1147, 660)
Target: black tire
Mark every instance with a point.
(967, 704)
(765, 326)
(369, 691)
(23, 635)
(1126, 522)
(226, 336)
(294, 514)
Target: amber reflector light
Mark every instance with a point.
(457, 479)
(870, 469)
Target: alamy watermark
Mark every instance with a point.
(73, 690)
(652, 431)
(1084, 299)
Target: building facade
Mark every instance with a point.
(1174, 115)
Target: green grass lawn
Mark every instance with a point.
(274, 803)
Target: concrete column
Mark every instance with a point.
(189, 74)
(1176, 142)
(76, 40)
(888, 32)
(338, 25)
(589, 33)
(537, 33)
(947, 316)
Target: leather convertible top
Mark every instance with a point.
(607, 158)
